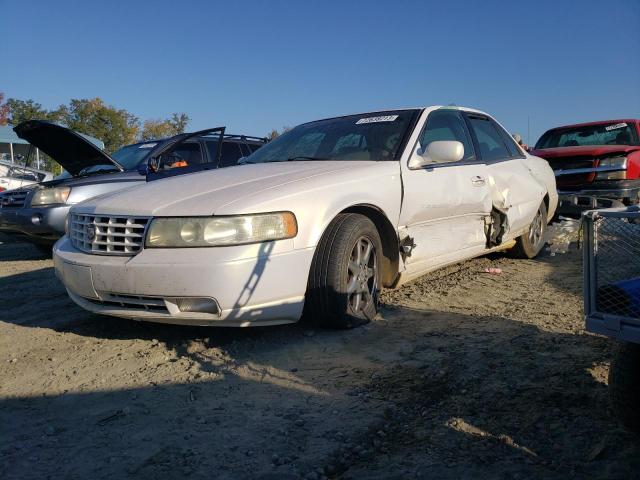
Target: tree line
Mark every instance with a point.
(116, 127)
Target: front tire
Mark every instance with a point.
(530, 244)
(344, 278)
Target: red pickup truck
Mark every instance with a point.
(597, 164)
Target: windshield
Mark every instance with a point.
(369, 136)
(619, 133)
(131, 155)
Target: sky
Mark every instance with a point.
(256, 66)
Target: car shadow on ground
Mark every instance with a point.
(12, 248)
(471, 397)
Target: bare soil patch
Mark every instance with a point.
(464, 375)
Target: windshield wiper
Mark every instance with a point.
(82, 173)
(291, 159)
(302, 157)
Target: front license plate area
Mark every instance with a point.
(78, 279)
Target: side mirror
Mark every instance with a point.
(440, 151)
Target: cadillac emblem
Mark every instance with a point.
(91, 232)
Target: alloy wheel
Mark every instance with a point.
(536, 231)
(362, 283)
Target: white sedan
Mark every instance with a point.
(317, 220)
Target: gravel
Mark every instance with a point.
(463, 375)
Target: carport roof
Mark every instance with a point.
(7, 135)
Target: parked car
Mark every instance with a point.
(323, 217)
(597, 165)
(16, 176)
(38, 212)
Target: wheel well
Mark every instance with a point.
(388, 237)
(546, 204)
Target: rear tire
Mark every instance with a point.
(624, 388)
(344, 278)
(530, 244)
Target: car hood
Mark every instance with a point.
(207, 193)
(115, 177)
(588, 151)
(68, 148)
(127, 176)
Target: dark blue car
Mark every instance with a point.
(38, 212)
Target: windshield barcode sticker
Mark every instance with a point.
(385, 118)
(147, 145)
(615, 126)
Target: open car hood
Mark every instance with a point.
(68, 148)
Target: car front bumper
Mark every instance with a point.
(43, 224)
(251, 285)
(599, 196)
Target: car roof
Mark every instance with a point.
(387, 110)
(599, 122)
(227, 136)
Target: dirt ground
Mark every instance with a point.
(464, 375)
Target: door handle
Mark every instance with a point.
(477, 181)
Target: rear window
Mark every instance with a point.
(616, 133)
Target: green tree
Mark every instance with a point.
(157, 128)
(21, 110)
(4, 110)
(179, 122)
(115, 127)
(275, 133)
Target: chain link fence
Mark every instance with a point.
(612, 272)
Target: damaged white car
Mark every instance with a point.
(317, 220)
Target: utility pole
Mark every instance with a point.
(528, 131)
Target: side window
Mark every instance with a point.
(513, 148)
(212, 150)
(447, 125)
(184, 155)
(490, 142)
(230, 154)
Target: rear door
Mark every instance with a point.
(514, 190)
(444, 205)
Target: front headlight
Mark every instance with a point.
(221, 231)
(617, 167)
(51, 196)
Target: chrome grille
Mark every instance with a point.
(107, 234)
(13, 198)
(569, 180)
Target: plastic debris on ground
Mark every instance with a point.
(561, 234)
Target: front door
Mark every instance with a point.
(444, 205)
